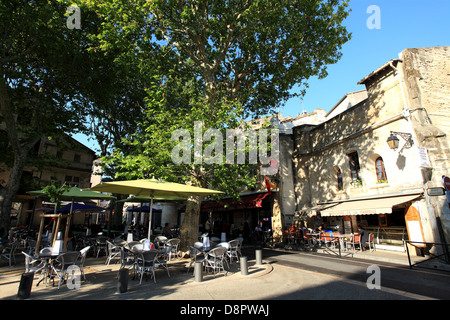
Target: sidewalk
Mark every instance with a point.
(269, 281)
(379, 255)
(102, 283)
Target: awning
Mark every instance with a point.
(246, 202)
(367, 206)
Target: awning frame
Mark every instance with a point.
(367, 205)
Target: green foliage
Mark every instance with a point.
(218, 62)
(42, 67)
(54, 191)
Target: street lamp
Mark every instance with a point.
(393, 141)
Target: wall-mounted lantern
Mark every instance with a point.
(393, 141)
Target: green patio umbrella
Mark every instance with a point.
(153, 188)
(74, 193)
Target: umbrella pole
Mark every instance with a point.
(112, 204)
(30, 219)
(66, 233)
(55, 235)
(150, 218)
(41, 229)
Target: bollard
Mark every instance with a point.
(258, 257)
(244, 267)
(198, 271)
(26, 282)
(122, 285)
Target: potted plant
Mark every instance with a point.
(356, 183)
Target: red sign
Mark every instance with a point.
(446, 181)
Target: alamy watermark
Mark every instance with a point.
(374, 280)
(374, 21)
(239, 140)
(73, 277)
(74, 18)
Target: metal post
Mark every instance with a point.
(244, 267)
(339, 245)
(259, 257)
(122, 285)
(198, 271)
(407, 252)
(26, 282)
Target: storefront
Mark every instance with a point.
(384, 216)
(228, 215)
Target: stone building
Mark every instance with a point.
(345, 172)
(67, 161)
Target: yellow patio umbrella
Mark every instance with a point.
(153, 188)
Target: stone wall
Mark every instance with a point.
(408, 95)
(426, 74)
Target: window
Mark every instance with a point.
(379, 168)
(354, 166)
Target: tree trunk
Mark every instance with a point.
(20, 151)
(189, 227)
(7, 193)
(118, 209)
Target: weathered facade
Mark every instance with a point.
(73, 167)
(345, 161)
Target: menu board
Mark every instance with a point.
(414, 227)
(415, 233)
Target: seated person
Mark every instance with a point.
(166, 231)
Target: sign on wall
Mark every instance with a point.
(446, 181)
(424, 161)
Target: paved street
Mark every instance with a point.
(425, 283)
(283, 276)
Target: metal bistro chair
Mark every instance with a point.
(61, 264)
(9, 252)
(160, 241)
(128, 260)
(214, 259)
(163, 256)
(82, 259)
(327, 239)
(226, 255)
(370, 241)
(175, 243)
(234, 251)
(146, 263)
(196, 256)
(131, 244)
(355, 240)
(33, 265)
(113, 252)
(100, 244)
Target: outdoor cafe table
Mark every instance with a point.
(314, 237)
(47, 258)
(342, 240)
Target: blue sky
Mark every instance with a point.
(403, 24)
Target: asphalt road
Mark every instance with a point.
(423, 282)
